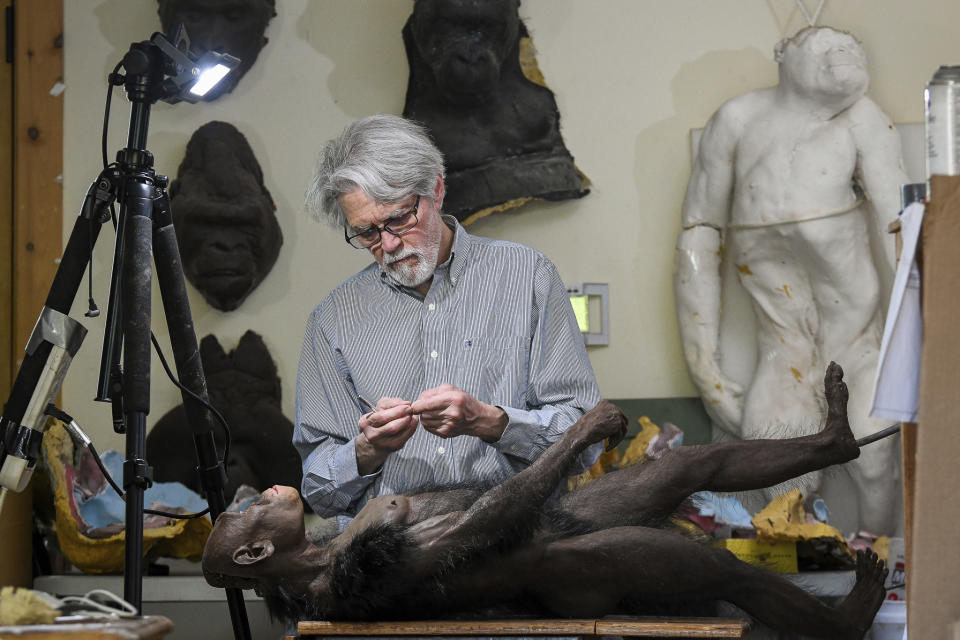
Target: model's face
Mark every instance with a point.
(277, 515)
(230, 26)
(828, 62)
(465, 42)
(409, 259)
(275, 522)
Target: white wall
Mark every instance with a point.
(631, 79)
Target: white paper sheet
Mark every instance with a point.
(898, 371)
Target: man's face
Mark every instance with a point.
(827, 62)
(409, 259)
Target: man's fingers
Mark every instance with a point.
(438, 428)
(377, 419)
(438, 398)
(430, 403)
(401, 429)
(387, 403)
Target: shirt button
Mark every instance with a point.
(441, 450)
(434, 355)
(431, 306)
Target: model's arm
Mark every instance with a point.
(560, 386)
(342, 447)
(697, 281)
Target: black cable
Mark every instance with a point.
(103, 470)
(219, 416)
(106, 112)
(75, 432)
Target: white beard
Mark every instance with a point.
(415, 274)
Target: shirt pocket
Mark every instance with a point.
(493, 369)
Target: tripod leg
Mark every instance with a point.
(137, 206)
(52, 345)
(186, 354)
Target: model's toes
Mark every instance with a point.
(835, 389)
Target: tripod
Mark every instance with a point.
(144, 224)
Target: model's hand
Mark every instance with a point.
(449, 412)
(382, 432)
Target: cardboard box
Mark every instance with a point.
(933, 591)
(778, 557)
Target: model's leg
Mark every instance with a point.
(648, 492)
(592, 575)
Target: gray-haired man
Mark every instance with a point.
(460, 335)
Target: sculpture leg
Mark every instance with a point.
(876, 472)
(650, 492)
(626, 567)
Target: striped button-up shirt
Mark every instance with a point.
(496, 323)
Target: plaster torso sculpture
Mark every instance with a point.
(599, 549)
(784, 181)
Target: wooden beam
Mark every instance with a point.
(38, 159)
(6, 209)
(637, 627)
(37, 223)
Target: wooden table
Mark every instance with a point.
(637, 627)
(145, 628)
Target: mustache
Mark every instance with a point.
(406, 252)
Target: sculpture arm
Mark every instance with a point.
(697, 290)
(697, 281)
(880, 169)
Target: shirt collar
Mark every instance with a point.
(460, 252)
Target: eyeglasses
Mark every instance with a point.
(399, 223)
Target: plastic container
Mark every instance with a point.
(891, 621)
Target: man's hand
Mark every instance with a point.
(382, 432)
(449, 412)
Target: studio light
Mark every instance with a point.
(209, 77)
(189, 78)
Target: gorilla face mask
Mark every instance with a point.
(465, 43)
(498, 130)
(230, 26)
(224, 217)
(244, 386)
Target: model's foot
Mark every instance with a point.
(604, 421)
(861, 605)
(837, 425)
